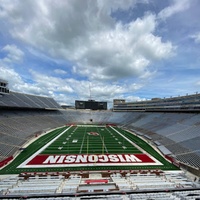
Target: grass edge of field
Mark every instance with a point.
(11, 168)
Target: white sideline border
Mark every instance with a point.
(90, 165)
(22, 165)
(142, 150)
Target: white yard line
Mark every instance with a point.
(135, 145)
(103, 143)
(41, 149)
(83, 142)
(89, 165)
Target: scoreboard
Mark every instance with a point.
(91, 104)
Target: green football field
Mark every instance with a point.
(101, 146)
(90, 140)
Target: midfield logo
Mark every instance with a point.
(93, 133)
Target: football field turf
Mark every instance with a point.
(87, 147)
(90, 140)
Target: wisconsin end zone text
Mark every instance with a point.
(89, 160)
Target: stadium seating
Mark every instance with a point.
(21, 100)
(183, 195)
(17, 129)
(23, 117)
(179, 132)
(134, 185)
(71, 185)
(121, 182)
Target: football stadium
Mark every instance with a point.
(141, 150)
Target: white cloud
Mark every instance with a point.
(14, 54)
(88, 36)
(65, 91)
(60, 71)
(176, 7)
(17, 84)
(51, 83)
(11, 76)
(113, 57)
(197, 83)
(196, 37)
(134, 98)
(124, 51)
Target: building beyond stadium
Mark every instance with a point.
(189, 103)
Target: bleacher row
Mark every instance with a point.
(178, 132)
(20, 100)
(16, 128)
(116, 182)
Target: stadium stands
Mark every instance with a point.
(178, 132)
(16, 128)
(20, 100)
(23, 117)
(134, 185)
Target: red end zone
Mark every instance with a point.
(89, 160)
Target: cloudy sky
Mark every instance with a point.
(103, 49)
